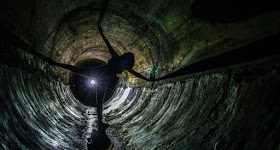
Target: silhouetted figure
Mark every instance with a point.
(116, 65)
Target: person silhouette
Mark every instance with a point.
(116, 65)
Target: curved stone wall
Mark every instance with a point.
(219, 109)
(234, 107)
(38, 112)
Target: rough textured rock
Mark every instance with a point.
(230, 108)
(229, 101)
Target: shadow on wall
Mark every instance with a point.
(260, 49)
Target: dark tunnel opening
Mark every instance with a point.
(216, 66)
(90, 89)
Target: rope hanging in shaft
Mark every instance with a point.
(103, 11)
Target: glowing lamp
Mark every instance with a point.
(92, 82)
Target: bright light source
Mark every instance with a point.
(92, 82)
